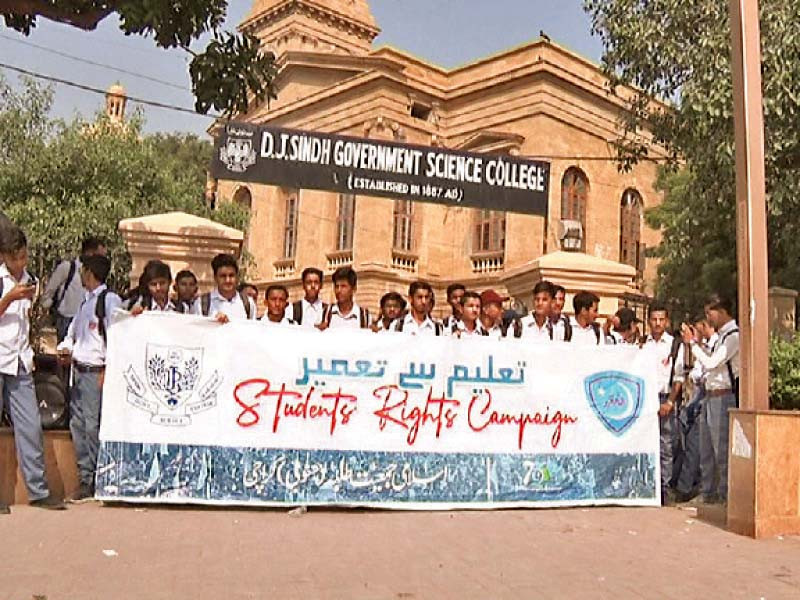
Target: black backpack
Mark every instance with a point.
(363, 316)
(205, 304)
(517, 324)
(297, 311)
(437, 326)
(73, 267)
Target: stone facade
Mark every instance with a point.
(538, 100)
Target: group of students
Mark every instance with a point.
(700, 365)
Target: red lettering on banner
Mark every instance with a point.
(479, 418)
(440, 411)
(286, 406)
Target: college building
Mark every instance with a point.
(538, 101)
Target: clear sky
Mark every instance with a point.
(445, 32)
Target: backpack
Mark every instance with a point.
(677, 343)
(734, 380)
(297, 311)
(205, 304)
(437, 326)
(517, 328)
(363, 316)
(568, 330)
(73, 267)
(100, 313)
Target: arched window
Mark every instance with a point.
(489, 231)
(574, 198)
(243, 198)
(345, 222)
(403, 235)
(290, 223)
(631, 249)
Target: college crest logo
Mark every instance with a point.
(173, 375)
(238, 154)
(616, 399)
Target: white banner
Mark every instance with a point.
(190, 382)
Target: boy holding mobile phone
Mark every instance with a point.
(17, 288)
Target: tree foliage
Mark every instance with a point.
(226, 76)
(62, 182)
(679, 51)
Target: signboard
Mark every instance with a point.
(245, 413)
(366, 167)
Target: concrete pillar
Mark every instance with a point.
(181, 240)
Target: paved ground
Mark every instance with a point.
(125, 552)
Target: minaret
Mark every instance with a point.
(115, 103)
(326, 26)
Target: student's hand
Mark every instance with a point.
(687, 333)
(375, 327)
(101, 378)
(665, 409)
(321, 326)
(222, 318)
(21, 291)
(137, 310)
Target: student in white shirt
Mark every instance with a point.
(393, 307)
(85, 346)
(157, 278)
(277, 298)
(16, 366)
(345, 313)
(64, 292)
(721, 367)
(470, 323)
(670, 382)
(418, 320)
(537, 327)
(185, 288)
(455, 291)
(585, 329)
(307, 311)
(225, 302)
(562, 327)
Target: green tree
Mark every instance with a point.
(679, 50)
(226, 76)
(63, 181)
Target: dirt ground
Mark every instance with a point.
(148, 552)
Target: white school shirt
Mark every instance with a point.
(559, 327)
(495, 331)
(715, 363)
(464, 332)
(264, 320)
(351, 320)
(585, 336)
(83, 336)
(698, 373)
(411, 327)
(74, 295)
(533, 333)
(15, 328)
(233, 308)
(312, 313)
(168, 307)
(662, 348)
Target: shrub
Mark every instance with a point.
(784, 373)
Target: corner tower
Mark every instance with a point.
(327, 26)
